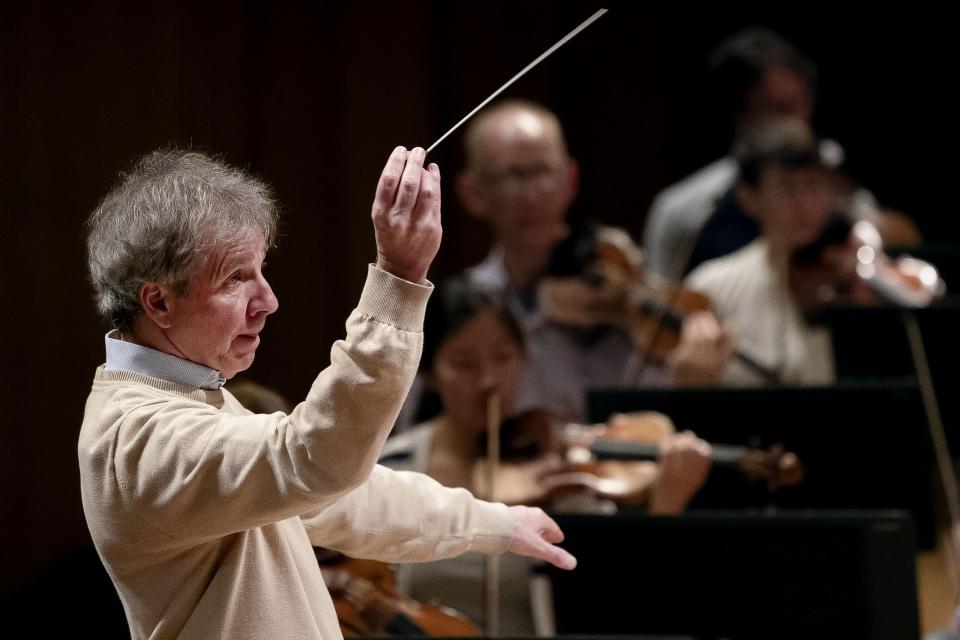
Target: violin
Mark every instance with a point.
(544, 461)
(619, 441)
(597, 277)
(847, 263)
(368, 604)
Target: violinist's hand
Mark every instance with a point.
(535, 534)
(684, 463)
(704, 351)
(406, 215)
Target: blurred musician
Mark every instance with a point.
(473, 348)
(521, 181)
(785, 185)
(754, 75)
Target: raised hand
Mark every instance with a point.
(406, 215)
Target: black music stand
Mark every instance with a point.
(731, 575)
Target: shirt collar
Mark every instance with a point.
(492, 274)
(129, 356)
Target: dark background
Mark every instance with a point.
(312, 97)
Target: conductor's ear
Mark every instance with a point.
(154, 301)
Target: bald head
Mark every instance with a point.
(511, 123)
(519, 178)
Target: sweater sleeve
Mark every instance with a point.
(403, 516)
(193, 471)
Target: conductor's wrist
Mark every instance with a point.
(415, 274)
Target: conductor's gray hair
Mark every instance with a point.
(162, 219)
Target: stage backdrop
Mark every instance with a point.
(312, 96)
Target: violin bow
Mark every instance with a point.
(492, 591)
(945, 468)
(678, 263)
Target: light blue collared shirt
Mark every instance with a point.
(129, 356)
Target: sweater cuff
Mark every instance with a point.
(394, 301)
(495, 524)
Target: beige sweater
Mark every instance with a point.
(204, 514)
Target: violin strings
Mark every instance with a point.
(583, 25)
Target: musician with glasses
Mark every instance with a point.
(521, 180)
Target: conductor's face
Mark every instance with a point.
(228, 300)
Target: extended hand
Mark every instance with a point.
(535, 534)
(406, 215)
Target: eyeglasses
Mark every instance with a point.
(543, 176)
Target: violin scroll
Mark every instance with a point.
(778, 467)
